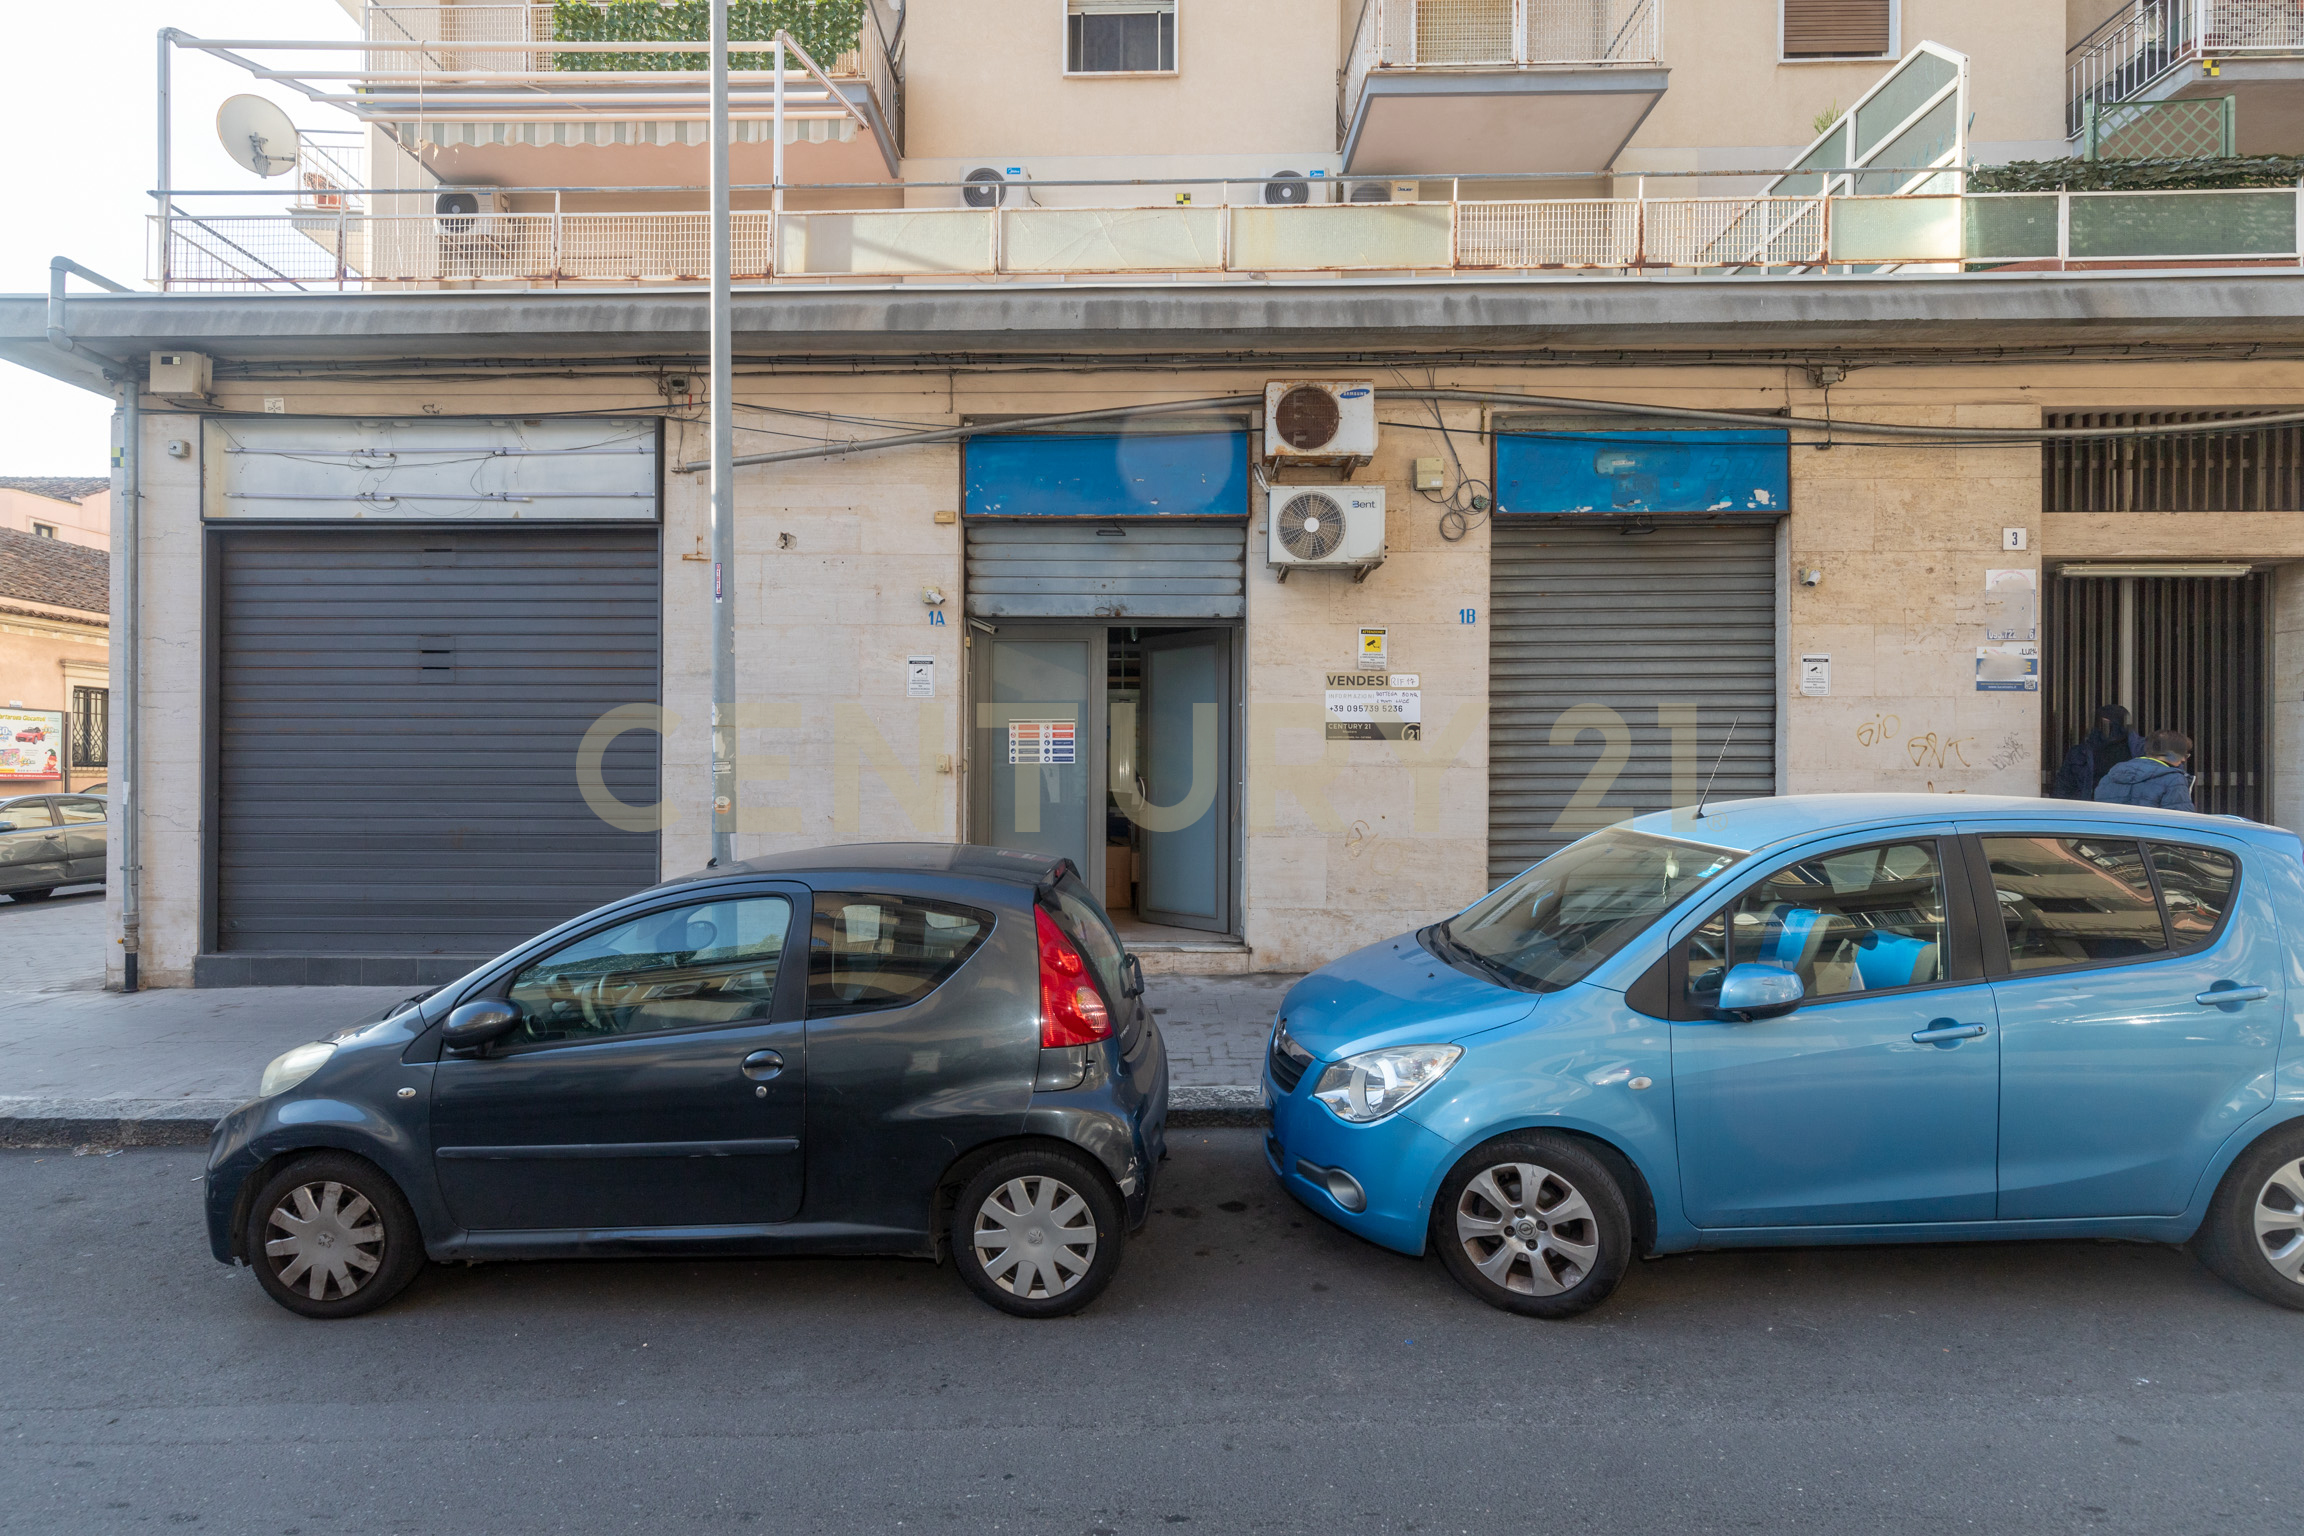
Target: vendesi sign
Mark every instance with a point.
(1367, 706)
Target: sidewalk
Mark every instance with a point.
(79, 1064)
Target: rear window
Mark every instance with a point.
(2196, 885)
(869, 952)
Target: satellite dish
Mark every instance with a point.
(257, 135)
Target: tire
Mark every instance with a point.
(2254, 1234)
(1038, 1233)
(1534, 1224)
(39, 895)
(351, 1209)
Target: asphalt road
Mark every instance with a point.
(1251, 1370)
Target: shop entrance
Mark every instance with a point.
(2183, 653)
(1114, 746)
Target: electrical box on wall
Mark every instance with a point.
(181, 375)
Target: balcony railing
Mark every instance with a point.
(348, 249)
(2132, 50)
(1498, 34)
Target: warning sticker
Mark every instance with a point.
(1040, 741)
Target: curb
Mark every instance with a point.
(32, 1122)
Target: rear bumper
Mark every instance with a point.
(1119, 1114)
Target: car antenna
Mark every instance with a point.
(1706, 794)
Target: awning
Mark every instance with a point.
(759, 130)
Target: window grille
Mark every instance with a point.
(1118, 37)
(2259, 471)
(91, 727)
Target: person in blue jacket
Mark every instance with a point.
(2112, 744)
(2157, 778)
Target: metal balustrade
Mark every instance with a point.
(345, 247)
(2132, 50)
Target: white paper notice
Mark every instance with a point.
(920, 677)
(1816, 676)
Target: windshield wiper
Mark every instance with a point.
(1452, 948)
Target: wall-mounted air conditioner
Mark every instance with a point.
(1338, 527)
(468, 210)
(1285, 188)
(990, 186)
(1319, 423)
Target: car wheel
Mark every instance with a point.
(330, 1236)
(1037, 1233)
(1534, 1224)
(40, 895)
(2254, 1234)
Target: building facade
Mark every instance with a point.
(75, 510)
(55, 670)
(1661, 478)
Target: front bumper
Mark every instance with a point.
(1394, 1162)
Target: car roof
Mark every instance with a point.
(1014, 866)
(1754, 825)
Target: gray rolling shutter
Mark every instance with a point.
(1118, 570)
(1601, 643)
(399, 713)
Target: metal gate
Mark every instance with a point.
(2184, 653)
(1134, 570)
(399, 714)
(1619, 660)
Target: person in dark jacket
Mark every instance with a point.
(2112, 744)
(2157, 778)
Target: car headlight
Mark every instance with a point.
(291, 1067)
(1375, 1083)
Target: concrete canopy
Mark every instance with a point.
(1498, 121)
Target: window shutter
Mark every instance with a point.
(1836, 28)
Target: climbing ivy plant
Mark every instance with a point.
(2206, 173)
(826, 28)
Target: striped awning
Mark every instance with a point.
(748, 130)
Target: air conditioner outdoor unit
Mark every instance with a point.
(468, 210)
(1337, 527)
(1287, 188)
(1319, 423)
(990, 186)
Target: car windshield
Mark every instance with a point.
(1549, 927)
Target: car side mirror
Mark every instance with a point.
(1133, 970)
(477, 1025)
(1751, 992)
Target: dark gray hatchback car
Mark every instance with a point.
(917, 1049)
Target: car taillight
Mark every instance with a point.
(1072, 1011)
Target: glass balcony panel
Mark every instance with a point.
(1112, 239)
(2174, 224)
(1922, 144)
(1895, 229)
(1913, 84)
(896, 242)
(2019, 227)
(1312, 238)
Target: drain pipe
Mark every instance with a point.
(129, 798)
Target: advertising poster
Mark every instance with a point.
(31, 744)
(1363, 706)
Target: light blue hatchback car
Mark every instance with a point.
(1821, 1019)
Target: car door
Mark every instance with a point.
(1875, 1100)
(31, 845)
(83, 817)
(2140, 993)
(656, 1080)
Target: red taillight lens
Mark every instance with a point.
(1072, 1011)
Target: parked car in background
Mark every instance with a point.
(1821, 1019)
(50, 840)
(896, 1048)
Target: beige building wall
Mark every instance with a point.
(86, 522)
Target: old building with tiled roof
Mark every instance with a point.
(55, 635)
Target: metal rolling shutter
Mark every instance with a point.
(1136, 570)
(1624, 625)
(399, 712)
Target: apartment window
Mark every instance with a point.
(43, 530)
(91, 726)
(1839, 29)
(1120, 37)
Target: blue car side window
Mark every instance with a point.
(1855, 920)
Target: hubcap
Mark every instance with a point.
(1035, 1237)
(1527, 1229)
(2280, 1220)
(328, 1240)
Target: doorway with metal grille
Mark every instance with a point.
(2183, 652)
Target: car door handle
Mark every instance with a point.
(763, 1065)
(1945, 1031)
(2217, 996)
